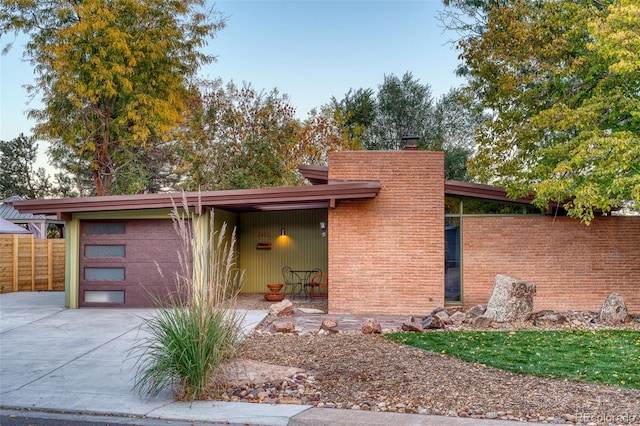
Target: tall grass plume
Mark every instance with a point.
(199, 329)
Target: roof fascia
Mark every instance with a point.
(477, 190)
(237, 199)
(317, 175)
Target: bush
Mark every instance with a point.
(199, 329)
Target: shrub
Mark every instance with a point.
(199, 329)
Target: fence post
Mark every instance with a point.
(33, 263)
(14, 280)
(49, 264)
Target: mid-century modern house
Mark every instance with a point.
(392, 234)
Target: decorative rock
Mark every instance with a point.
(482, 322)
(282, 327)
(329, 325)
(457, 318)
(311, 311)
(613, 310)
(371, 326)
(511, 300)
(556, 319)
(443, 315)
(426, 321)
(491, 415)
(412, 324)
(432, 322)
(477, 310)
(282, 309)
(438, 310)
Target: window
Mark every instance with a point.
(93, 228)
(452, 270)
(104, 251)
(104, 274)
(104, 296)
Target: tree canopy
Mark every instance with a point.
(113, 75)
(561, 80)
(19, 176)
(403, 106)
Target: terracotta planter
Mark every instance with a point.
(274, 297)
(275, 288)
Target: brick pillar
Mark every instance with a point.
(386, 255)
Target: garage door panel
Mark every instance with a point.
(148, 244)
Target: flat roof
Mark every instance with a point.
(240, 200)
(319, 175)
(321, 194)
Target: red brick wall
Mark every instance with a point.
(386, 254)
(574, 267)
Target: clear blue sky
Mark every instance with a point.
(309, 50)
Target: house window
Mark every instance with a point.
(94, 228)
(104, 251)
(104, 296)
(452, 260)
(104, 274)
(455, 209)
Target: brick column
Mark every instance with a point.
(386, 255)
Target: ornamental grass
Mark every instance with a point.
(199, 330)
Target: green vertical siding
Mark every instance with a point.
(303, 247)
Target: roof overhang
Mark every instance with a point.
(477, 190)
(319, 175)
(241, 200)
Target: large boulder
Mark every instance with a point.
(511, 300)
(613, 310)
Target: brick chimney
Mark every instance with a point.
(410, 142)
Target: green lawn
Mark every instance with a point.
(607, 357)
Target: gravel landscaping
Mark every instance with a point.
(351, 370)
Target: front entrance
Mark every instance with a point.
(127, 263)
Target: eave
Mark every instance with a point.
(282, 198)
(477, 190)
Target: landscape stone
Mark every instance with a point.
(371, 326)
(482, 322)
(433, 322)
(282, 327)
(439, 309)
(511, 300)
(613, 310)
(412, 324)
(329, 325)
(457, 318)
(282, 309)
(443, 315)
(476, 311)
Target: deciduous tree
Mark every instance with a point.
(237, 137)
(562, 81)
(113, 75)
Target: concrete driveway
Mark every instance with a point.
(76, 360)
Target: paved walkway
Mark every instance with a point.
(76, 361)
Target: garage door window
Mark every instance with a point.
(104, 274)
(106, 296)
(104, 251)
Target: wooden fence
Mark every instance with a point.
(28, 264)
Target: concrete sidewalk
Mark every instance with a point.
(76, 361)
